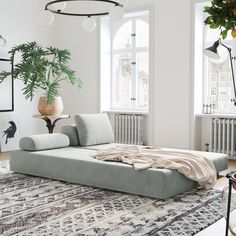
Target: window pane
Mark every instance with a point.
(142, 33)
(142, 79)
(123, 80)
(220, 85)
(123, 37)
(130, 64)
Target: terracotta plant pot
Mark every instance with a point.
(55, 108)
(233, 33)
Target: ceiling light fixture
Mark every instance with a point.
(116, 11)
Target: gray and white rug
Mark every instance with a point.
(37, 206)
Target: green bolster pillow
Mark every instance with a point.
(44, 142)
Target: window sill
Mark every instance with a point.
(145, 113)
(217, 115)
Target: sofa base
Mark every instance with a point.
(76, 165)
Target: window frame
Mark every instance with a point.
(134, 50)
(205, 87)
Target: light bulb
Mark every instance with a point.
(123, 2)
(116, 13)
(59, 6)
(89, 24)
(3, 41)
(46, 18)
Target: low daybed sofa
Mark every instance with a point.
(59, 156)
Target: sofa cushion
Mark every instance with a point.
(72, 133)
(94, 129)
(44, 141)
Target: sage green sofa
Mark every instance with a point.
(59, 156)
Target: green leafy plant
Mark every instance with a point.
(222, 15)
(41, 68)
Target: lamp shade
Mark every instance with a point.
(89, 24)
(3, 41)
(212, 52)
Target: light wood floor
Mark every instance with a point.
(4, 156)
(217, 229)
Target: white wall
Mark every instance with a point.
(172, 73)
(171, 108)
(172, 63)
(19, 18)
(84, 47)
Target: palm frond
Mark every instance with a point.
(41, 68)
(71, 76)
(52, 92)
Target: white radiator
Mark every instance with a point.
(223, 136)
(128, 128)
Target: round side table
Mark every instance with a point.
(51, 120)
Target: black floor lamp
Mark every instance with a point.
(232, 181)
(212, 52)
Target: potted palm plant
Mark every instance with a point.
(42, 69)
(222, 15)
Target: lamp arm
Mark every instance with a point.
(232, 71)
(228, 48)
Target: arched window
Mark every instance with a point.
(130, 63)
(213, 83)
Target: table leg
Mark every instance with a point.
(228, 209)
(49, 125)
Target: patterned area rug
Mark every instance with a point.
(37, 206)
